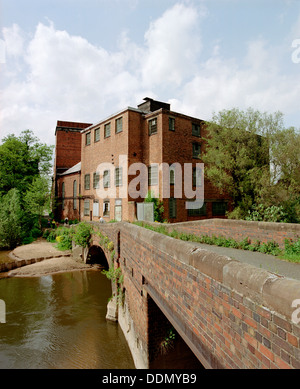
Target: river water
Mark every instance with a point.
(58, 322)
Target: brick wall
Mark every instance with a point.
(68, 209)
(68, 144)
(232, 314)
(240, 229)
(134, 141)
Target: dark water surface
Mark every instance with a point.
(58, 322)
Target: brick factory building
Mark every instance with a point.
(100, 168)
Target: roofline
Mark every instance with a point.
(112, 116)
(147, 114)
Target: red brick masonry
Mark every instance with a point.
(231, 314)
(240, 229)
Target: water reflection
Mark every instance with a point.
(58, 321)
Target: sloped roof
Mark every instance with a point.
(74, 169)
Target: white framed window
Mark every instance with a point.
(118, 176)
(86, 207)
(153, 175)
(88, 139)
(106, 179)
(107, 130)
(119, 125)
(96, 179)
(97, 135)
(152, 126)
(87, 181)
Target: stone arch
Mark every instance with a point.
(96, 255)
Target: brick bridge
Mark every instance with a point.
(224, 313)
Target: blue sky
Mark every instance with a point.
(84, 60)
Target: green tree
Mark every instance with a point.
(10, 219)
(37, 198)
(21, 160)
(283, 187)
(237, 154)
(25, 165)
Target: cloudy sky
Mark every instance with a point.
(82, 60)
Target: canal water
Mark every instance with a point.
(58, 322)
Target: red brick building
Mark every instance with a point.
(105, 169)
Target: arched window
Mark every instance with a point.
(75, 194)
(63, 194)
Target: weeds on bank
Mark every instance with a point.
(63, 236)
(291, 252)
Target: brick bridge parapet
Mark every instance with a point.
(230, 314)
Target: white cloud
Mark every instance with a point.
(173, 43)
(14, 40)
(56, 76)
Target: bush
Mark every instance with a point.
(62, 236)
(270, 248)
(273, 213)
(292, 248)
(82, 234)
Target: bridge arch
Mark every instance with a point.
(96, 255)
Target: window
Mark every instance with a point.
(196, 150)
(87, 181)
(63, 195)
(152, 123)
(172, 176)
(196, 129)
(107, 130)
(86, 207)
(106, 208)
(171, 124)
(97, 135)
(219, 208)
(106, 179)
(118, 176)
(198, 212)
(88, 139)
(153, 175)
(96, 178)
(172, 208)
(74, 194)
(119, 125)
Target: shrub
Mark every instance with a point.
(82, 234)
(292, 248)
(273, 213)
(270, 248)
